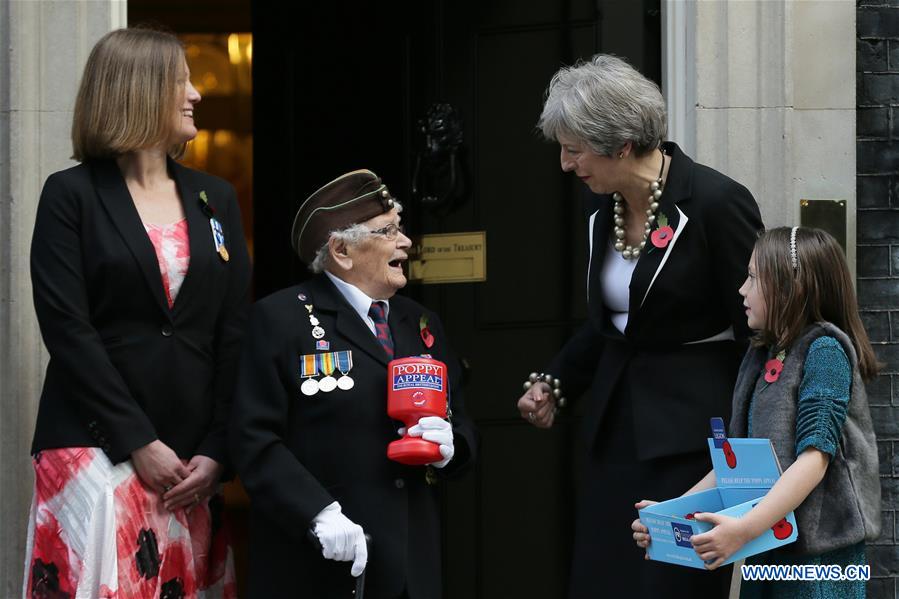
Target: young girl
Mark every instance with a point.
(800, 385)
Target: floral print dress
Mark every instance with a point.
(97, 532)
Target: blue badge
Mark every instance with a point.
(322, 345)
(682, 534)
(718, 434)
(218, 238)
(218, 234)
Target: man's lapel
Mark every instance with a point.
(347, 321)
(406, 340)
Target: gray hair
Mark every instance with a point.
(350, 236)
(605, 103)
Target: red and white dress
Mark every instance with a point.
(97, 532)
(172, 245)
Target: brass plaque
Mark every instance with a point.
(448, 258)
(829, 215)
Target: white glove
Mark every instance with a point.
(437, 430)
(342, 539)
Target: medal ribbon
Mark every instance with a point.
(344, 361)
(325, 362)
(309, 365)
(218, 235)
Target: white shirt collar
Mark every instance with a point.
(357, 298)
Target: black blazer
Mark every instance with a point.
(296, 454)
(680, 294)
(125, 369)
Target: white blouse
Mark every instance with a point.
(615, 279)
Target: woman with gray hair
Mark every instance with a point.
(659, 353)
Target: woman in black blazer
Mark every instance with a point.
(659, 353)
(141, 278)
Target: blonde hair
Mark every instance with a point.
(819, 287)
(127, 97)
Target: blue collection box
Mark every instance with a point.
(745, 470)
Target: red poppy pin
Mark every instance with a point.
(774, 366)
(663, 235)
(426, 337)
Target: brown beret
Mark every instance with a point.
(347, 200)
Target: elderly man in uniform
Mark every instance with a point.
(310, 427)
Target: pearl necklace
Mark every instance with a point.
(655, 192)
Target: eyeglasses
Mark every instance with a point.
(391, 231)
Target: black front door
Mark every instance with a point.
(342, 86)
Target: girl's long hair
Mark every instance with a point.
(819, 288)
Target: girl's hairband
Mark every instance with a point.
(794, 259)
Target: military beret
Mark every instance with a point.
(347, 200)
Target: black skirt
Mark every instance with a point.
(606, 561)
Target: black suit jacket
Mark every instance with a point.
(684, 293)
(296, 454)
(125, 369)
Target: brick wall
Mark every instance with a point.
(878, 257)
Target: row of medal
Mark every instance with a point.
(313, 364)
(325, 363)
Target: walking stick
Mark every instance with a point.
(360, 580)
(359, 593)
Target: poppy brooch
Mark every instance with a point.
(426, 337)
(774, 366)
(663, 234)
